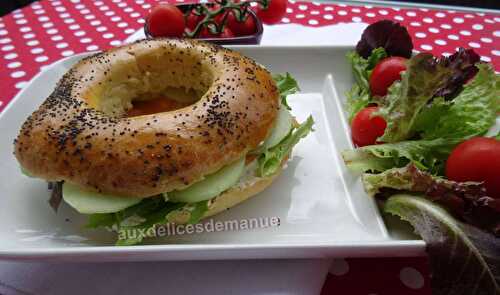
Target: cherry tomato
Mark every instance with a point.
(385, 73)
(365, 129)
(476, 159)
(246, 27)
(226, 33)
(274, 12)
(166, 20)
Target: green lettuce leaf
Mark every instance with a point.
(406, 98)
(198, 211)
(464, 260)
(471, 113)
(359, 95)
(270, 161)
(425, 154)
(286, 85)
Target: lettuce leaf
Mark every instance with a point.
(464, 260)
(425, 154)
(467, 201)
(406, 98)
(471, 113)
(198, 211)
(270, 161)
(286, 85)
(391, 36)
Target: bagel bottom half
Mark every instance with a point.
(248, 187)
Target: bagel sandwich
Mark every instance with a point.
(160, 131)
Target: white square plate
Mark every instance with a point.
(323, 209)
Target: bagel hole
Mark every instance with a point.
(172, 98)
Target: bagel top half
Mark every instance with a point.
(80, 134)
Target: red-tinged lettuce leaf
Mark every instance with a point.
(464, 260)
(463, 64)
(467, 201)
(391, 36)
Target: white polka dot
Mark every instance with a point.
(424, 9)
(43, 19)
(420, 35)
(496, 33)
(370, 14)
(108, 36)
(52, 31)
(339, 267)
(313, 22)
(86, 40)
(477, 27)
(399, 18)
(60, 9)
(21, 21)
(486, 58)
(62, 45)
(47, 25)
(474, 45)
(428, 20)
(84, 11)
(440, 14)
(426, 47)
(458, 20)
(328, 16)
(468, 15)
(41, 58)
(411, 278)
(89, 17)
(14, 65)
(7, 47)
(489, 21)
(32, 43)
(356, 19)
(36, 50)
(486, 40)
(383, 12)
(5, 40)
(122, 4)
(64, 15)
(98, 3)
(315, 12)
(92, 47)
(122, 25)
(129, 31)
(67, 53)
(69, 21)
(300, 16)
(74, 27)
(446, 54)
(17, 74)
(453, 37)
(465, 33)
(328, 8)
(116, 19)
(18, 15)
(434, 30)
(302, 7)
(56, 38)
(3, 32)
(356, 10)
(285, 20)
(21, 85)
(79, 33)
(95, 23)
(495, 52)
(445, 26)
(411, 13)
(440, 42)
(415, 24)
(146, 6)
(135, 14)
(342, 12)
(129, 9)
(115, 43)
(101, 29)
(10, 56)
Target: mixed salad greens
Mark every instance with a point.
(427, 131)
(139, 217)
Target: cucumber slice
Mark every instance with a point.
(89, 202)
(281, 129)
(211, 186)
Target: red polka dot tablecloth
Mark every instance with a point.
(38, 35)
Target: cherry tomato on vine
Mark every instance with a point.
(192, 20)
(166, 20)
(476, 159)
(385, 73)
(246, 27)
(226, 33)
(274, 12)
(365, 129)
